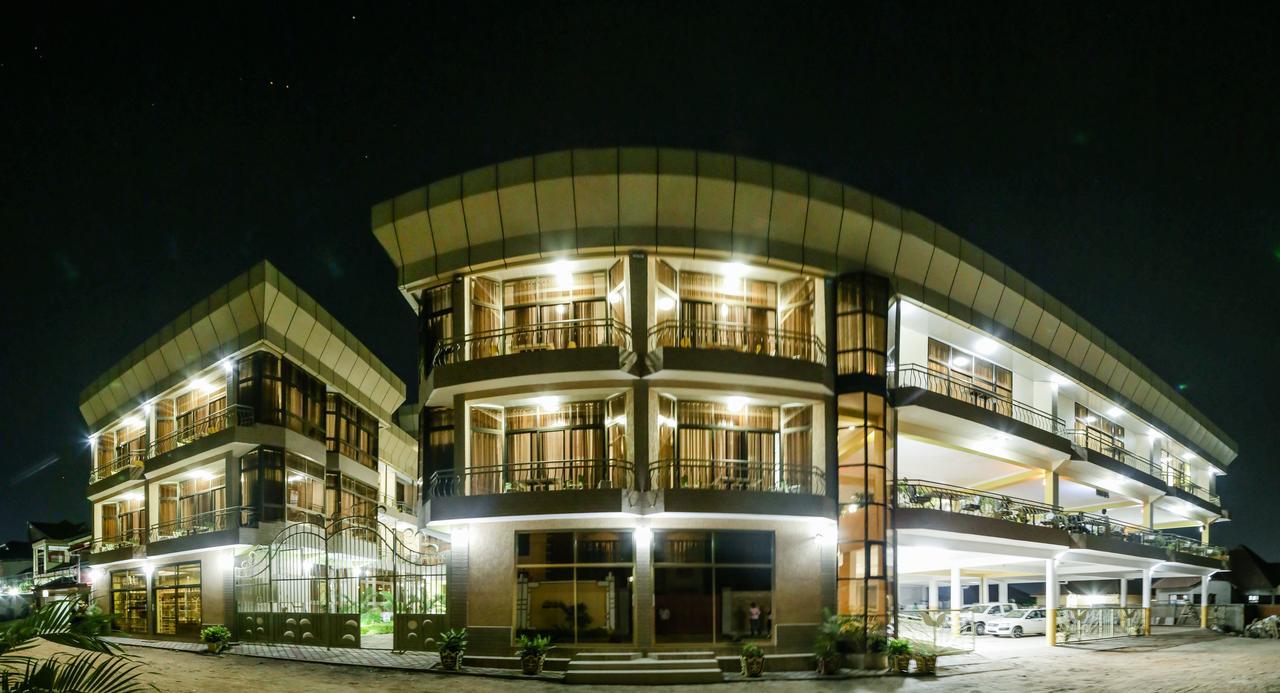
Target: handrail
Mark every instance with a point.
(549, 475)
(574, 333)
(129, 458)
(227, 417)
(916, 375)
(1092, 440)
(915, 493)
(731, 336)
(1182, 481)
(203, 523)
(736, 475)
(408, 507)
(136, 536)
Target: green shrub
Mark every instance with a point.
(215, 634)
(454, 640)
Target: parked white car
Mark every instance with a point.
(979, 616)
(1018, 623)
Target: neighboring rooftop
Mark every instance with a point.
(64, 530)
(609, 201)
(261, 305)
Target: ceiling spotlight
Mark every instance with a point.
(1090, 418)
(547, 403)
(724, 310)
(666, 303)
(736, 404)
(1114, 412)
(1058, 380)
(960, 361)
(986, 346)
(614, 297)
(562, 272)
(733, 270)
(133, 421)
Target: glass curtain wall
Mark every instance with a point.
(436, 452)
(192, 505)
(282, 394)
(435, 323)
(277, 486)
(123, 522)
(1101, 433)
(575, 586)
(558, 311)
(176, 589)
(351, 431)
(706, 584)
(861, 308)
(973, 379)
(129, 600)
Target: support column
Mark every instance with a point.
(1204, 600)
(933, 595)
(1146, 601)
(1148, 515)
(1124, 592)
(644, 587)
(1204, 532)
(1051, 600)
(984, 590)
(957, 600)
(1050, 488)
(1002, 592)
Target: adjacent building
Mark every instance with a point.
(56, 552)
(675, 398)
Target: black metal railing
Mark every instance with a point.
(1090, 439)
(912, 493)
(731, 336)
(136, 536)
(126, 460)
(735, 475)
(234, 415)
(1182, 481)
(975, 393)
(577, 333)
(550, 475)
(203, 523)
(409, 506)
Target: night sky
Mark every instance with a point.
(1126, 159)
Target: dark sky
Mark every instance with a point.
(1124, 157)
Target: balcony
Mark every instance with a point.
(747, 339)
(928, 495)
(1090, 439)
(735, 475)
(117, 547)
(351, 452)
(556, 335)
(127, 461)
(556, 475)
(913, 375)
(1182, 482)
(235, 415)
(407, 507)
(206, 523)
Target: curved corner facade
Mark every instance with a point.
(666, 391)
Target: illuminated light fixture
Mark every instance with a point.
(295, 478)
(643, 535)
(1190, 455)
(733, 270)
(1058, 380)
(614, 297)
(561, 308)
(1090, 418)
(986, 346)
(228, 561)
(1114, 412)
(724, 310)
(736, 404)
(547, 403)
(148, 407)
(202, 474)
(564, 276)
(95, 574)
(227, 366)
(960, 361)
(133, 421)
(307, 566)
(148, 569)
(132, 496)
(93, 439)
(666, 303)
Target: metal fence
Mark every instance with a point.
(736, 475)
(552, 335)
(731, 336)
(1098, 623)
(941, 630)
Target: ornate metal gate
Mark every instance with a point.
(355, 582)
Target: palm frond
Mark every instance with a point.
(86, 672)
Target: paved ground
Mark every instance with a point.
(1177, 661)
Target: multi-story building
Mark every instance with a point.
(252, 413)
(56, 552)
(673, 397)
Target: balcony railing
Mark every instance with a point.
(915, 375)
(136, 536)
(729, 336)
(203, 523)
(551, 475)
(1182, 482)
(363, 457)
(126, 460)
(575, 333)
(1090, 439)
(235, 415)
(408, 506)
(956, 499)
(736, 475)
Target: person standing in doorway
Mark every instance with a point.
(753, 615)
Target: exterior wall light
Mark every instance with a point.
(986, 346)
(644, 537)
(148, 569)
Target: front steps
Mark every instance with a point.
(658, 669)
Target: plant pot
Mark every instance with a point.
(752, 666)
(876, 661)
(531, 665)
(214, 647)
(451, 661)
(902, 663)
(856, 660)
(927, 664)
(828, 665)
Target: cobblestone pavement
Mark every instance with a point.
(1194, 661)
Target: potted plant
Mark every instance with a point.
(876, 657)
(899, 651)
(926, 657)
(752, 660)
(216, 637)
(452, 644)
(532, 652)
(826, 646)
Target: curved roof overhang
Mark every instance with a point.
(610, 201)
(261, 305)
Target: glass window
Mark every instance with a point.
(129, 600)
(575, 586)
(712, 586)
(351, 431)
(176, 589)
(861, 325)
(282, 393)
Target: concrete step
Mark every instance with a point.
(642, 664)
(607, 656)
(683, 655)
(772, 662)
(652, 677)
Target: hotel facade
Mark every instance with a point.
(667, 400)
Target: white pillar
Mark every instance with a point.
(1051, 600)
(1124, 591)
(957, 599)
(1002, 589)
(933, 594)
(1146, 601)
(1204, 601)
(984, 590)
